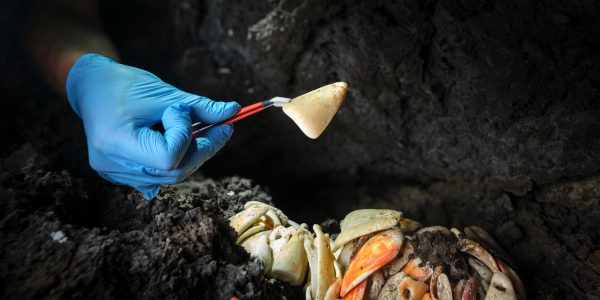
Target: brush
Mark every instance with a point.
(312, 112)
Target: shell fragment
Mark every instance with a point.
(365, 221)
(377, 251)
(501, 288)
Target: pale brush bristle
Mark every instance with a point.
(313, 111)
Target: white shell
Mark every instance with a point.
(444, 289)
(244, 219)
(289, 261)
(500, 288)
(258, 247)
(364, 221)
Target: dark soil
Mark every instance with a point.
(438, 249)
(460, 113)
(175, 247)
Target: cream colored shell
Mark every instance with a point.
(313, 111)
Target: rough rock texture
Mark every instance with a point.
(460, 112)
(179, 246)
(503, 93)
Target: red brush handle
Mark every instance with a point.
(251, 107)
(244, 112)
(241, 115)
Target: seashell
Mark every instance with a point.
(390, 288)
(514, 278)
(376, 284)
(500, 288)
(478, 251)
(412, 289)
(377, 252)
(413, 269)
(480, 268)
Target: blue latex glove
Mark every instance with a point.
(118, 104)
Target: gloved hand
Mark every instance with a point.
(118, 104)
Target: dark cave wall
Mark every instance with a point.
(504, 93)
(459, 113)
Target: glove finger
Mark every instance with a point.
(148, 188)
(126, 172)
(208, 111)
(178, 128)
(139, 176)
(160, 151)
(148, 191)
(203, 149)
(211, 142)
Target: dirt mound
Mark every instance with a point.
(179, 246)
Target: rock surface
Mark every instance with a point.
(179, 246)
(503, 93)
(459, 112)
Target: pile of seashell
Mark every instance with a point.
(378, 255)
